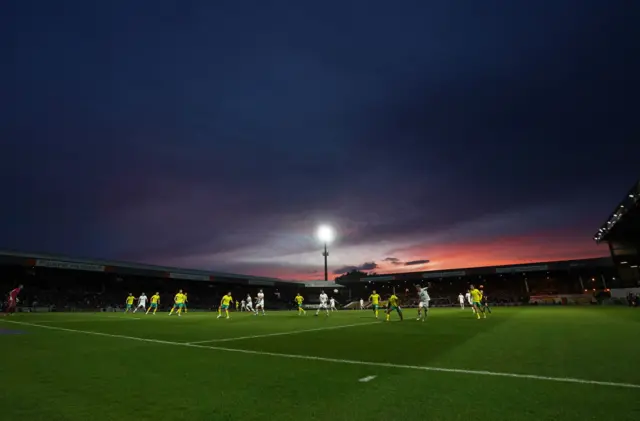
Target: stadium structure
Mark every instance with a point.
(506, 284)
(78, 283)
(621, 232)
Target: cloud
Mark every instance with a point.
(398, 262)
(416, 262)
(363, 267)
(393, 260)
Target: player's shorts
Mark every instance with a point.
(396, 308)
(178, 305)
(423, 304)
(323, 305)
(260, 304)
(129, 306)
(153, 305)
(299, 305)
(477, 303)
(225, 306)
(375, 306)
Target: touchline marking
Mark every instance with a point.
(340, 361)
(293, 332)
(367, 379)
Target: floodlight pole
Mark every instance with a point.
(325, 254)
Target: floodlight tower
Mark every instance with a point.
(325, 234)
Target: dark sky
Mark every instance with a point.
(219, 134)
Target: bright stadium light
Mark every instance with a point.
(325, 234)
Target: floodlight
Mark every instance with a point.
(325, 234)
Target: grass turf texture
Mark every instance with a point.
(52, 374)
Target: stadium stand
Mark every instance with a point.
(621, 232)
(71, 284)
(64, 284)
(557, 282)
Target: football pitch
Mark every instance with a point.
(567, 363)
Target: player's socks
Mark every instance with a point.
(376, 314)
(226, 311)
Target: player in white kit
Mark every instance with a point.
(250, 304)
(243, 305)
(142, 302)
(332, 304)
(260, 302)
(423, 305)
(468, 297)
(461, 300)
(361, 304)
(323, 303)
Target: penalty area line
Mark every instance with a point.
(343, 361)
(292, 332)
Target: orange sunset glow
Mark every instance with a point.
(499, 251)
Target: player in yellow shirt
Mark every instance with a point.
(224, 305)
(178, 303)
(299, 300)
(184, 305)
(375, 302)
(155, 300)
(476, 299)
(393, 305)
(237, 305)
(129, 302)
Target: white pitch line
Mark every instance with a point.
(292, 332)
(341, 361)
(367, 379)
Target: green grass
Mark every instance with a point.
(52, 374)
